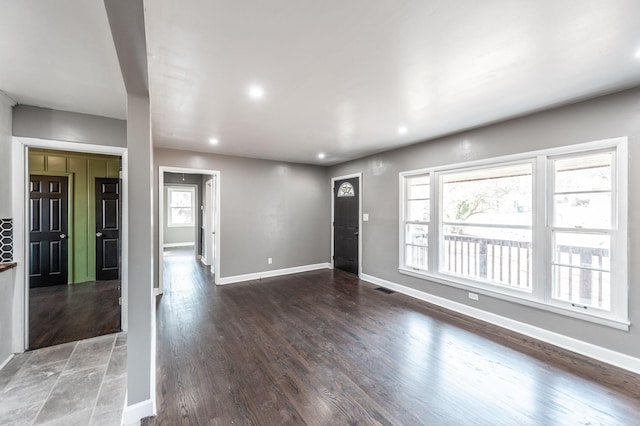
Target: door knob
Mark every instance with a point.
(98, 234)
(63, 236)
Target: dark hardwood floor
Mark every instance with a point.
(323, 347)
(66, 313)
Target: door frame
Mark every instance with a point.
(20, 194)
(208, 224)
(161, 206)
(360, 230)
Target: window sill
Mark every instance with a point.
(613, 323)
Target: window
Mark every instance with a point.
(581, 229)
(547, 228)
(180, 204)
(346, 190)
(416, 222)
(487, 224)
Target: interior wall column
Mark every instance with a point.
(126, 19)
(140, 251)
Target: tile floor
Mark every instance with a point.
(77, 383)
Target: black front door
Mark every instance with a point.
(107, 228)
(48, 243)
(346, 212)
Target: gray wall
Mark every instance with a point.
(601, 118)
(5, 156)
(184, 234)
(267, 209)
(7, 282)
(6, 320)
(45, 123)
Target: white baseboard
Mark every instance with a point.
(273, 273)
(569, 343)
(132, 414)
(6, 361)
(169, 245)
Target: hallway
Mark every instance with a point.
(323, 347)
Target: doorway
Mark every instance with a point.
(201, 216)
(74, 228)
(346, 236)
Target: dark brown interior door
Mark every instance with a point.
(107, 228)
(346, 211)
(48, 243)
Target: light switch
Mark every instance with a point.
(365, 217)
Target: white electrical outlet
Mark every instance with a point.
(473, 296)
(365, 217)
(269, 261)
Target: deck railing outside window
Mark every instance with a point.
(498, 261)
(508, 263)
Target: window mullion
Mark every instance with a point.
(403, 220)
(541, 262)
(434, 249)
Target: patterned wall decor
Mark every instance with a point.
(6, 240)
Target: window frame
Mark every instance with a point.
(404, 222)
(542, 196)
(615, 244)
(181, 188)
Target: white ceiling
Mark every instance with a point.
(60, 54)
(339, 76)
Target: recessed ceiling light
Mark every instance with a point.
(402, 130)
(213, 141)
(321, 155)
(637, 55)
(256, 92)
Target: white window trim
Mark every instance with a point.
(181, 188)
(540, 297)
